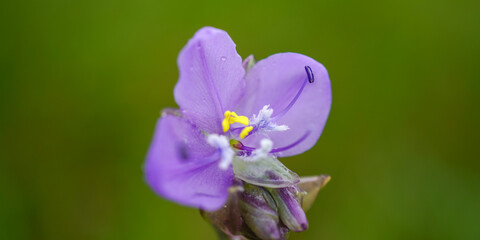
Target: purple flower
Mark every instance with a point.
(234, 120)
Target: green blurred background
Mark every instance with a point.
(83, 82)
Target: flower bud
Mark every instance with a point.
(254, 212)
(248, 63)
(266, 172)
(171, 111)
(258, 213)
(289, 206)
(284, 231)
(227, 220)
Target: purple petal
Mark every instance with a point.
(275, 81)
(182, 167)
(211, 78)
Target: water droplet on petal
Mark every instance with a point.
(223, 58)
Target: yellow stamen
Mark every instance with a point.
(232, 117)
(225, 125)
(245, 132)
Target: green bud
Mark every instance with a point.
(248, 63)
(266, 172)
(171, 111)
(255, 213)
(289, 206)
(258, 214)
(227, 220)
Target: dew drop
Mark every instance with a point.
(223, 58)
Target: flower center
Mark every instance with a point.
(250, 154)
(264, 121)
(231, 118)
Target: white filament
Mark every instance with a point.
(266, 146)
(263, 122)
(222, 144)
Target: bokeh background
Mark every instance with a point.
(82, 84)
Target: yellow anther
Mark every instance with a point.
(240, 119)
(245, 132)
(225, 125)
(232, 117)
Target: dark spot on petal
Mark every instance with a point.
(183, 152)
